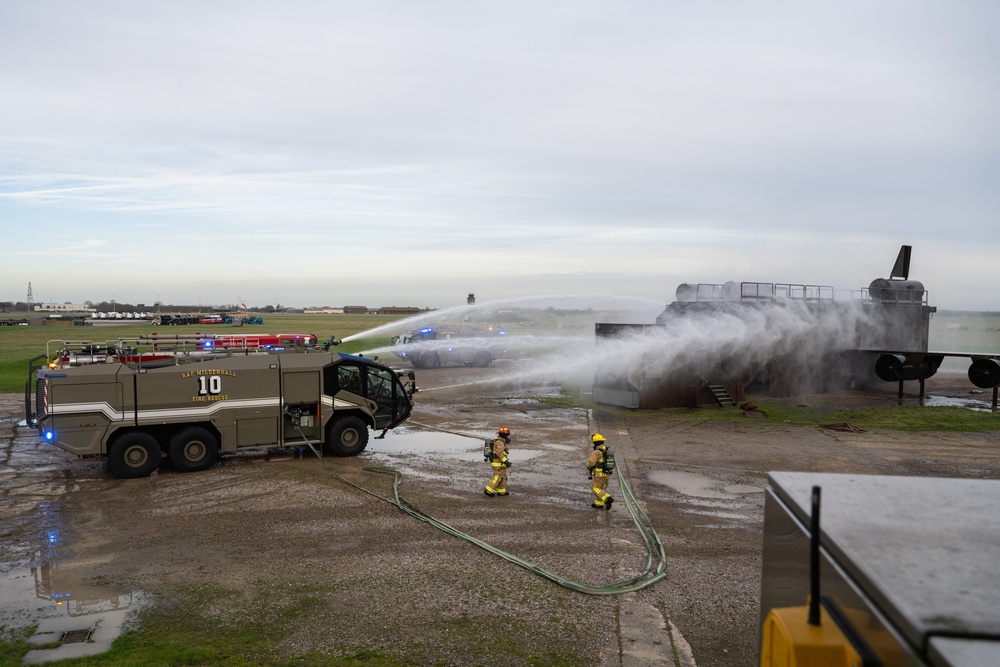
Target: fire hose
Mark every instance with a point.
(656, 560)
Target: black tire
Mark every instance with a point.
(431, 360)
(483, 359)
(194, 448)
(348, 436)
(134, 454)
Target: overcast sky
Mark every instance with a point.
(410, 153)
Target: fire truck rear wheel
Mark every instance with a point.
(347, 437)
(134, 454)
(193, 449)
(483, 359)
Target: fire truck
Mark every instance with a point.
(162, 350)
(430, 347)
(222, 401)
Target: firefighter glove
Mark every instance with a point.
(506, 464)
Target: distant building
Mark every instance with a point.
(355, 310)
(62, 308)
(400, 310)
(325, 310)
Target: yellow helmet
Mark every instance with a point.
(597, 439)
(503, 431)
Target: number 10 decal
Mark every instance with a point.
(209, 384)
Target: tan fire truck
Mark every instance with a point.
(201, 407)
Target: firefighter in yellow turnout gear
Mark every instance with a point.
(600, 465)
(498, 461)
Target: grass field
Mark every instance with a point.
(957, 332)
(19, 344)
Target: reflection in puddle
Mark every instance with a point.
(402, 441)
(933, 401)
(57, 593)
(713, 498)
(567, 448)
(699, 486)
(717, 515)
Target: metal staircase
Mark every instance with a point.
(721, 395)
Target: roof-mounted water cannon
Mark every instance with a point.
(411, 386)
(332, 341)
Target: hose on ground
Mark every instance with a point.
(656, 560)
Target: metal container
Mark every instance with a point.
(910, 560)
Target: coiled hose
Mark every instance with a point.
(656, 560)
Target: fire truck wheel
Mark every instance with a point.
(483, 359)
(134, 454)
(347, 437)
(431, 360)
(193, 449)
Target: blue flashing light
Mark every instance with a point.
(49, 435)
(427, 330)
(209, 343)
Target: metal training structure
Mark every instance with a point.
(879, 334)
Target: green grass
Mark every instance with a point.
(162, 643)
(893, 418)
(788, 413)
(20, 344)
(186, 631)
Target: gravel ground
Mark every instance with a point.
(250, 544)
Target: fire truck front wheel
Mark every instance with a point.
(134, 454)
(193, 449)
(347, 436)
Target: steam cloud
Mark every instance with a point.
(551, 340)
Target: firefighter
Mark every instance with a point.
(599, 469)
(498, 461)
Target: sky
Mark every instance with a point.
(411, 153)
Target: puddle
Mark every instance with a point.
(75, 612)
(409, 441)
(973, 403)
(700, 486)
(35, 470)
(718, 515)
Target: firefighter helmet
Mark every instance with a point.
(503, 431)
(597, 439)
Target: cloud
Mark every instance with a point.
(394, 147)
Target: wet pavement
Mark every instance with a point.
(81, 552)
(43, 581)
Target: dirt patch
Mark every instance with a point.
(251, 544)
